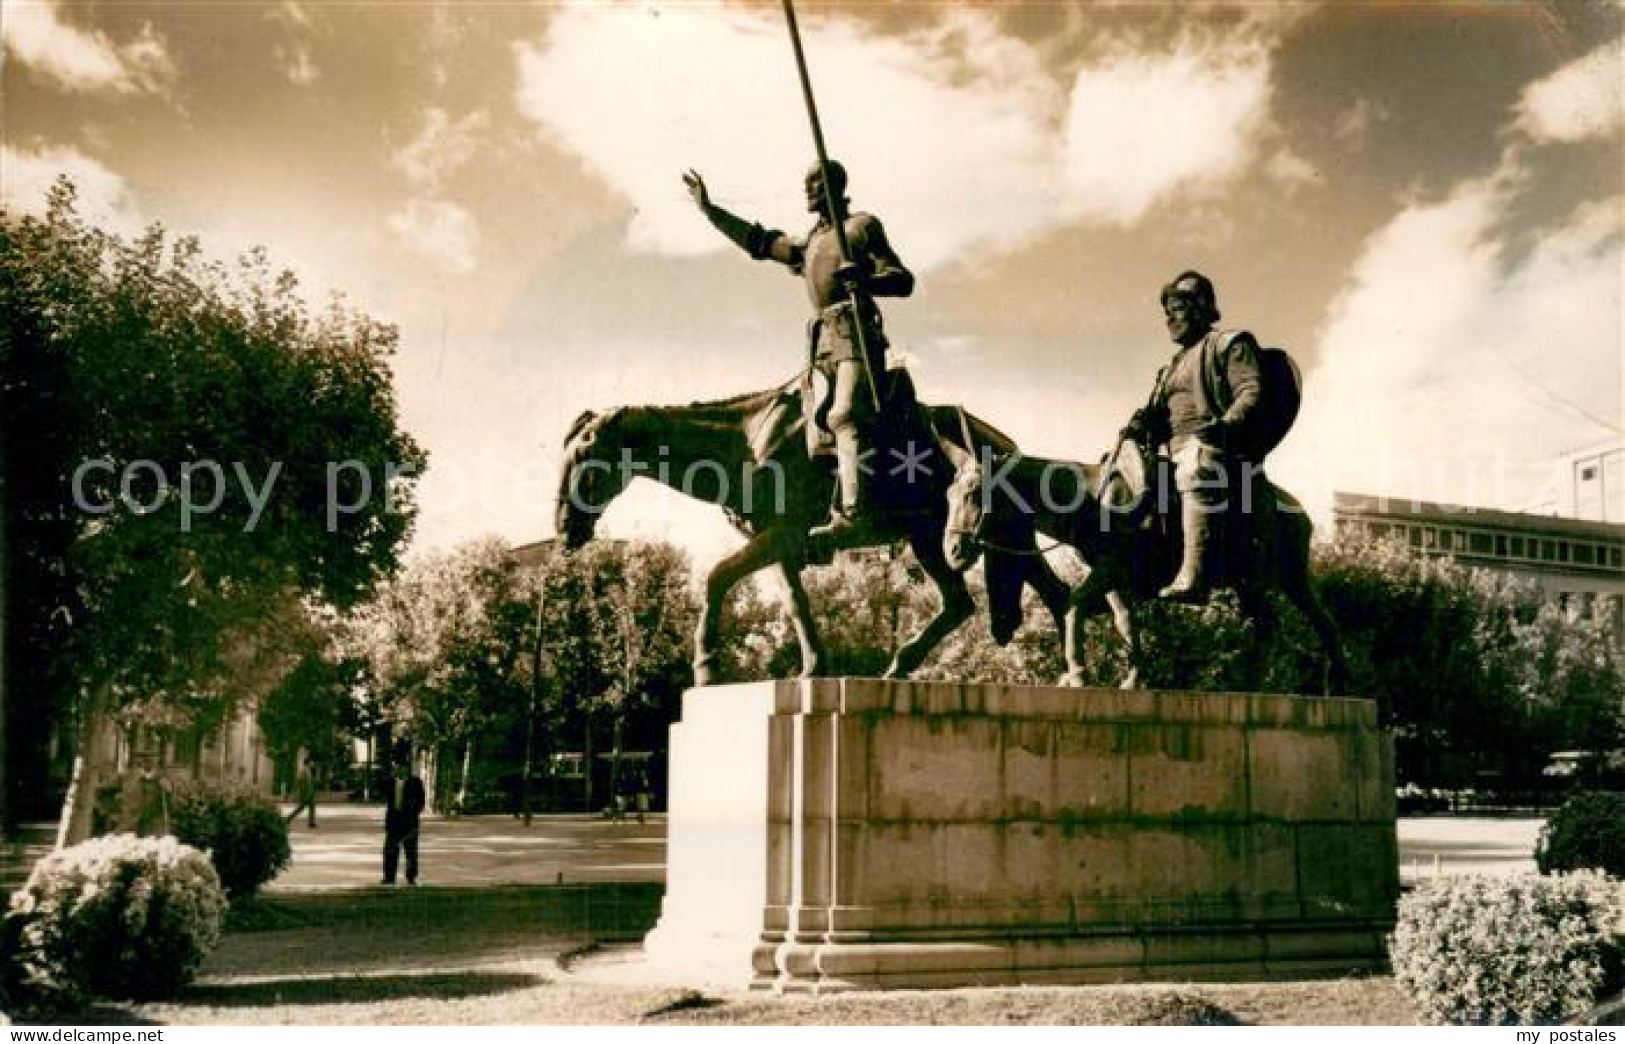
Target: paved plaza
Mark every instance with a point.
(344, 851)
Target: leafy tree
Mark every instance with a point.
(131, 367)
(451, 647)
(1475, 670)
(616, 624)
(310, 708)
(867, 604)
(424, 639)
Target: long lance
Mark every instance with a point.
(832, 200)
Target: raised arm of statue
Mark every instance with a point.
(760, 243)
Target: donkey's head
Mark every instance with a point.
(967, 513)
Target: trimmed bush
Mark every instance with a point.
(1587, 833)
(242, 830)
(123, 917)
(1503, 951)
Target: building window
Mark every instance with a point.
(1614, 557)
(1480, 544)
(1416, 536)
(1583, 554)
(1562, 550)
(1588, 473)
(1548, 550)
(1500, 545)
(1517, 547)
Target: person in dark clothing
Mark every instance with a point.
(304, 790)
(404, 799)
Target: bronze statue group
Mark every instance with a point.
(1179, 508)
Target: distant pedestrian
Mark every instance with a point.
(304, 790)
(643, 798)
(403, 811)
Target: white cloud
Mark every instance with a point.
(441, 230)
(294, 56)
(84, 60)
(1142, 126)
(441, 147)
(292, 13)
(1448, 374)
(1584, 99)
(297, 64)
(1453, 370)
(104, 200)
(956, 134)
(1292, 170)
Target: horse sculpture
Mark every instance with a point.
(748, 456)
(1129, 558)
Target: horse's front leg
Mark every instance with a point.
(957, 606)
(812, 647)
(759, 551)
(1123, 617)
(1086, 601)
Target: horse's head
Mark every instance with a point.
(590, 478)
(962, 533)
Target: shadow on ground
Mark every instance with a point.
(415, 929)
(361, 989)
(95, 1015)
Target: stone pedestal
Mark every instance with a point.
(851, 832)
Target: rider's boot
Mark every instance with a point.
(848, 523)
(1198, 509)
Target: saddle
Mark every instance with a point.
(798, 411)
(902, 431)
(770, 428)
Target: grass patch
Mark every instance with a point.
(1342, 1002)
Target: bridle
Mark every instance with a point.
(974, 533)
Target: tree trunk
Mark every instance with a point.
(428, 766)
(615, 763)
(6, 815)
(462, 786)
(586, 762)
(79, 803)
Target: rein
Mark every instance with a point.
(1005, 549)
(975, 533)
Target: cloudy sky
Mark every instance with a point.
(1424, 203)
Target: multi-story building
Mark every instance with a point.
(1577, 562)
(1588, 484)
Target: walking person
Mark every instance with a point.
(404, 799)
(304, 790)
